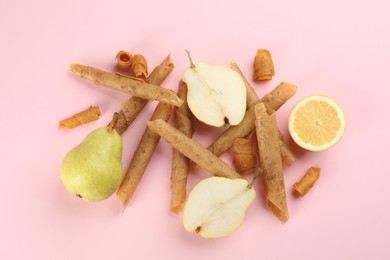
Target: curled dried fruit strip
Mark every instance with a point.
(140, 67)
(244, 158)
(263, 65)
(91, 114)
(307, 181)
(124, 59)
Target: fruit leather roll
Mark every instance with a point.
(192, 149)
(271, 161)
(142, 156)
(180, 162)
(134, 87)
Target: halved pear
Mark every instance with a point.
(216, 94)
(216, 206)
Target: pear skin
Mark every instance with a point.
(93, 169)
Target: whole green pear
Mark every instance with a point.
(93, 169)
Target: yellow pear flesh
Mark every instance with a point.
(216, 206)
(93, 169)
(216, 94)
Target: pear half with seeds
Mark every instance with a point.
(216, 94)
(93, 169)
(216, 206)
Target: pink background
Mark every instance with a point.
(336, 48)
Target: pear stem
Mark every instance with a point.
(259, 171)
(114, 120)
(189, 57)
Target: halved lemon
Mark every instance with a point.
(316, 123)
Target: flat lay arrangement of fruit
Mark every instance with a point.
(217, 96)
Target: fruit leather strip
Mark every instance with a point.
(142, 156)
(180, 162)
(127, 85)
(271, 161)
(192, 149)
